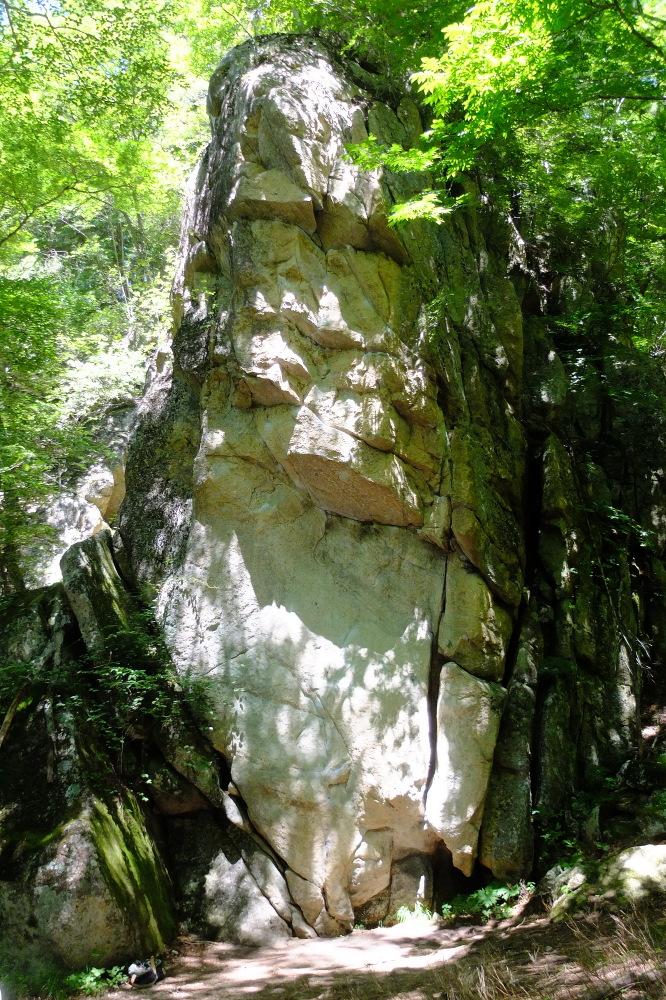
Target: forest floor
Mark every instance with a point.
(596, 957)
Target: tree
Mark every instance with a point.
(90, 175)
(32, 438)
(558, 108)
(82, 90)
(509, 66)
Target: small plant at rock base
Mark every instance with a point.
(492, 902)
(93, 981)
(404, 913)
(45, 981)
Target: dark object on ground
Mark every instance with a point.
(143, 974)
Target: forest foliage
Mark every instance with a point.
(554, 107)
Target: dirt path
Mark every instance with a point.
(214, 970)
(419, 960)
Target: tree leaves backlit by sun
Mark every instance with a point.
(554, 108)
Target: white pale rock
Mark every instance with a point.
(317, 675)
(76, 515)
(270, 194)
(342, 474)
(236, 909)
(305, 604)
(306, 895)
(72, 518)
(371, 867)
(638, 872)
(468, 718)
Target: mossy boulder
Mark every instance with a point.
(631, 877)
(81, 881)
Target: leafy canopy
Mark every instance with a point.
(558, 108)
(510, 64)
(555, 106)
(82, 89)
(32, 437)
(95, 130)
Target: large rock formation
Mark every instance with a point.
(380, 520)
(328, 495)
(330, 499)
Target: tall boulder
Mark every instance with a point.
(82, 880)
(323, 492)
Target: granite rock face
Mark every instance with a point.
(342, 474)
(326, 495)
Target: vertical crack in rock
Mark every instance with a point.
(506, 842)
(436, 664)
(507, 838)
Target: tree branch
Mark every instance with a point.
(617, 7)
(11, 712)
(35, 209)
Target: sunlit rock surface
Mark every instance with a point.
(631, 878)
(301, 591)
(468, 718)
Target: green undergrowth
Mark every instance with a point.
(128, 682)
(51, 983)
(132, 683)
(94, 982)
(492, 902)
(403, 913)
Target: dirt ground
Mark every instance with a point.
(593, 958)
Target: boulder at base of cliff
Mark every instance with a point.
(81, 881)
(219, 885)
(633, 877)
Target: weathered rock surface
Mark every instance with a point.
(218, 887)
(301, 592)
(468, 718)
(315, 417)
(628, 878)
(327, 497)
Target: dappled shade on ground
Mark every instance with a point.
(592, 958)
